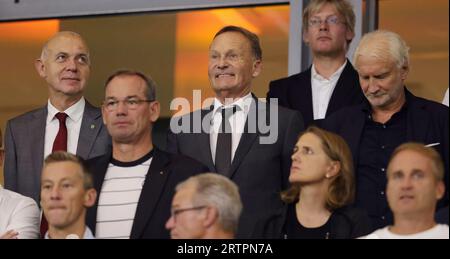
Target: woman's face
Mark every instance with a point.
(310, 164)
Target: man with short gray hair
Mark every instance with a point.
(205, 206)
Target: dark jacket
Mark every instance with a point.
(153, 209)
(427, 123)
(260, 170)
(346, 223)
(295, 92)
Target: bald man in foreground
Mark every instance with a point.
(67, 122)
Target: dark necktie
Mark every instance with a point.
(223, 147)
(60, 144)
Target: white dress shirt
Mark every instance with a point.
(439, 231)
(18, 213)
(237, 122)
(73, 124)
(87, 235)
(322, 89)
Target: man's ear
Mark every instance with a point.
(404, 72)
(257, 68)
(211, 216)
(155, 110)
(440, 190)
(90, 197)
(40, 67)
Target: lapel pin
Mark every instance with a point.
(92, 126)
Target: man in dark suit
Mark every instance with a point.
(390, 116)
(135, 181)
(65, 66)
(331, 82)
(230, 136)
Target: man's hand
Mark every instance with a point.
(10, 234)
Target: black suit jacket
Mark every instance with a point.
(261, 171)
(153, 209)
(427, 122)
(295, 92)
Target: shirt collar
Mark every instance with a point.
(74, 112)
(87, 234)
(243, 103)
(335, 75)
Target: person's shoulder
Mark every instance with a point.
(431, 105)
(16, 199)
(299, 76)
(381, 233)
(352, 211)
(94, 161)
(182, 162)
(443, 229)
(25, 117)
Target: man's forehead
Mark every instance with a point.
(67, 43)
(408, 159)
(62, 169)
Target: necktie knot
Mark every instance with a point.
(226, 114)
(61, 116)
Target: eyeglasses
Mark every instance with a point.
(130, 103)
(331, 20)
(175, 212)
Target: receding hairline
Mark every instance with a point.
(57, 36)
(428, 159)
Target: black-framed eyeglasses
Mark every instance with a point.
(130, 103)
(175, 212)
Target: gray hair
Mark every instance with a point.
(383, 45)
(220, 192)
(149, 82)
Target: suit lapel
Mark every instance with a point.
(153, 187)
(417, 120)
(342, 90)
(355, 133)
(204, 141)
(301, 96)
(90, 128)
(247, 138)
(98, 172)
(37, 139)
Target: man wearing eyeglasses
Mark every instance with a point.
(331, 82)
(67, 123)
(205, 206)
(136, 180)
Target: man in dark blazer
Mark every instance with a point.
(136, 181)
(331, 82)
(257, 159)
(390, 116)
(65, 66)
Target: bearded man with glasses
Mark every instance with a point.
(136, 180)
